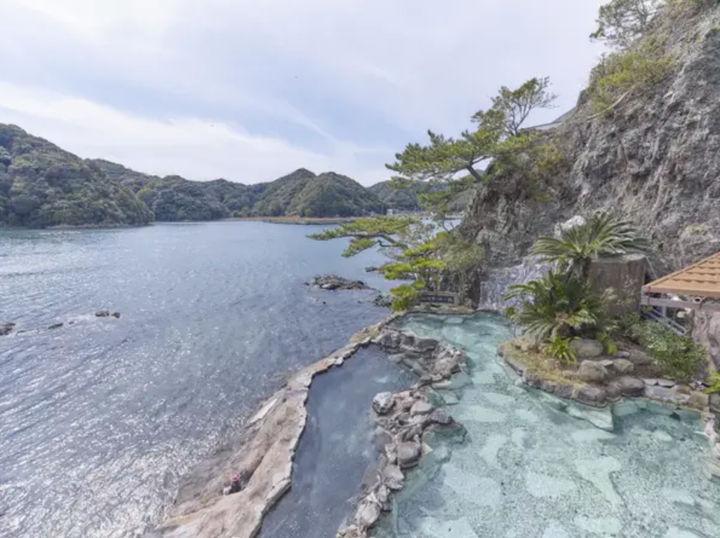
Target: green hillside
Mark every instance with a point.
(42, 185)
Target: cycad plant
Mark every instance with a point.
(560, 305)
(600, 236)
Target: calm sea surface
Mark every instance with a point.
(100, 418)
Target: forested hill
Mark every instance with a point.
(42, 185)
(300, 193)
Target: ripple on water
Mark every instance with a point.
(100, 418)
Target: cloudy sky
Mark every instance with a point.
(252, 89)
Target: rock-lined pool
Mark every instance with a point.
(531, 468)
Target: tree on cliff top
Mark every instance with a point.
(497, 128)
(417, 253)
(621, 22)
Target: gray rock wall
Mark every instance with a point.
(655, 160)
(706, 331)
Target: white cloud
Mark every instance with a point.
(359, 77)
(189, 146)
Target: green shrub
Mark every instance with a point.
(639, 68)
(714, 380)
(560, 348)
(677, 356)
(560, 304)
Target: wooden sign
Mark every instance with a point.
(439, 297)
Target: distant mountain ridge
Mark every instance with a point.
(301, 193)
(42, 185)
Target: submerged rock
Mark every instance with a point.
(6, 328)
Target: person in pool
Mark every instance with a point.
(234, 486)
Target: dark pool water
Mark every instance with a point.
(336, 447)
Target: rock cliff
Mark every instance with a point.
(653, 157)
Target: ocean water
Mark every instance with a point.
(100, 418)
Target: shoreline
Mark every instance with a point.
(298, 221)
(267, 443)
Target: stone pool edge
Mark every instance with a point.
(263, 458)
(582, 393)
(264, 450)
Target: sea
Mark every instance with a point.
(100, 417)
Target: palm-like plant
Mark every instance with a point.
(560, 305)
(601, 236)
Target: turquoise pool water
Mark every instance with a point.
(534, 466)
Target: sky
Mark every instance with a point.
(250, 90)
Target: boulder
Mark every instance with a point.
(613, 392)
(389, 339)
(382, 438)
(564, 391)
(441, 416)
(393, 477)
(55, 326)
(102, 314)
(408, 454)
(425, 345)
(587, 349)
(382, 494)
(116, 315)
(591, 371)
(421, 407)
(383, 403)
(367, 514)
(631, 386)
(639, 358)
(623, 366)
(592, 396)
(667, 383)
(445, 368)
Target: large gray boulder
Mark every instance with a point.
(631, 386)
(706, 331)
(383, 403)
(587, 349)
(408, 454)
(591, 371)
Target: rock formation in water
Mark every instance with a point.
(652, 157)
(334, 283)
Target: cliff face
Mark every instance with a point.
(654, 159)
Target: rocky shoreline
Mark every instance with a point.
(405, 424)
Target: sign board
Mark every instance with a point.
(439, 297)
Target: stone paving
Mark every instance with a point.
(536, 466)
